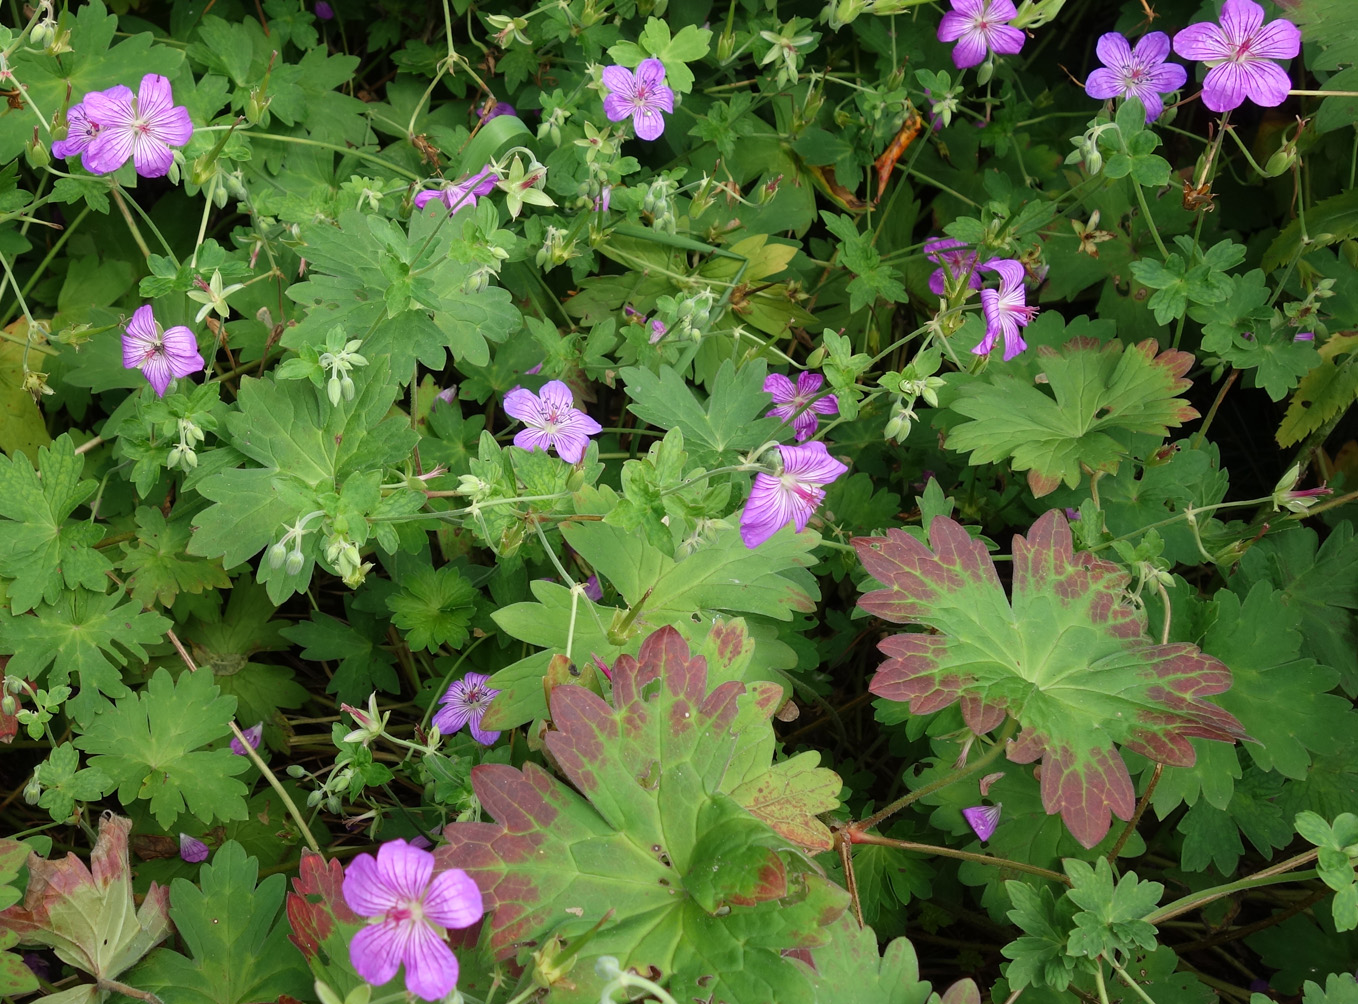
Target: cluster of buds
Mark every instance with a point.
(656, 203)
(341, 357)
(343, 553)
(689, 317)
(280, 556)
(182, 453)
(1086, 150)
(915, 382)
(555, 250)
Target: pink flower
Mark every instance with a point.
(1240, 52)
(978, 26)
(408, 914)
(1136, 73)
(640, 96)
(1005, 309)
(160, 355)
(80, 133)
(143, 128)
(982, 819)
(957, 260)
(593, 590)
(553, 421)
(192, 850)
(800, 403)
(457, 195)
(792, 495)
(465, 703)
(252, 736)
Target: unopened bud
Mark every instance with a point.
(1282, 160)
(9, 704)
(277, 555)
(33, 790)
(295, 562)
(36, 152)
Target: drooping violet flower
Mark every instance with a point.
(1304, 336)
(658, 331)
(143, 128)
(956, 260)
(496, 110)
(1240, 51)
(603, 199)
(640, 96)
(978, 27)
(801, 402)
(409, 909)
(983, 819)
(792, 495)
(1135, 73)
(252, 736)
(465, 703)
(191, 849)
(1005, 309)
(553, 421)
(533, 370)
(593, 590)
(324, 11)
(80, 133)
(460, 194)
(160, 355)
(448, 395)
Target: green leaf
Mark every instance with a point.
(63, 784)
(158, 567)
(680, 876)
(434, 608)
(1040, 956)
(83, 634)
(364, 666)
(237, 952)
(725, 424)
(151, 746)
(322, 923)
(1324, 392)
(1067, 657)
(850, 971)
(38, 550)
(1099, 396)
(1329, 221)
(1110, 915)
(1340, 988)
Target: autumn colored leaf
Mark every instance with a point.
(1067, 657)
(322, 923)
(655, 844)
(86, 913)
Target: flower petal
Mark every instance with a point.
(1203, 41)
(453, 900)
(1104, 83)
(1151, 48)
(109, 150)
(650, 73)
(431, 966)
(620, 81)
(1240, 19)
(524, 405)
(808, 383)
(111, 107)
(1006, 40)
(648, 122)
(780, 387)
(1266, 83)
(365, 891)
(617, 108)
(570, 446)
(481, 735)
(1278, 39)
(180, 346)
(1114, 52)
(811, 464)
(556, 396)
(534, 439)
(375, 951)
(1226, 85)
(768, 509)
(954, 25)
(404, 869)
(150, 156)
(970, 49)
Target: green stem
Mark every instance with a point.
(1274, 875)
(1146, 212)
(949, 852)
(1135, 988)
(131, 223)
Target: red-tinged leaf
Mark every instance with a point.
(1067, 657)
(86, 913)
(656, 845)
(316, 908)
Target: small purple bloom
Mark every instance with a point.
(324, 11)
(457, 195)
(978, 26)
(1136, 73)
(191, 849)
(1304, 336)
(957, 260)
(553, 421)
(1005, 309)
(792, 495)
(1072, 515)
(465, 703)
(143, 128)
(593, 590)
(603, 200)
(80, 133)
(1240, 52)
(640, 96)
(409, 909)
(160, 355)
(448, 395)
(982, 819)
(496, 110)
(800, 403)
(252, 736)
(533, 370)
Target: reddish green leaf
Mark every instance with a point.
(1068, 658)
(322, 922)
(657, 846)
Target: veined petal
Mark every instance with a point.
(142, 328)
(481, 735)
(1010, 270)
(617, 107)
(780, 387)
(365, 891)
(650, 73)
(767, 510)
(1150, 100)
(404, 869)
(156, 369)
(1240, 19)
(1104, 83)
(534, 439)
(648, 122)
(1278, 39)
(1152, 48)
(620, 81)
(150, 156)
(375, 952)
(954, 25)
(1006, 40)
(112, 107)
(1013, 339)
(523, 405)
(1225, 86)
(181, 349)
(556, 397)
(174, 127)
(1266, 83)
(431, 966)
(1001, 10)
(811, 464)
(827, 405)
(1114, 52)
(1167, 77)
(154, 97)
(806, 499)
(109, 150)
(804, 425)
(808, 383)
(1203, 41)
(570, 446)
(453, 900)
(970, 49)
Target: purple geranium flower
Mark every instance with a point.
(978, 26)
(496, 110)
(982, 819)
(640, 96)
(80, 133)
(1136, 73)
(1005, 309)
(792, 495)
(160, 355)
(408, 909)
(1240, 51)
(191, 849)
(457, 195)
(465, 703)
(956, 260)
(252, 736)
(801, 402)
(324, 11)
(143, 128)
(552, 420)
(593, 590)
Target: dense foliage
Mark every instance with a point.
(650, 499)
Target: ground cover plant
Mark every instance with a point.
(667, 500)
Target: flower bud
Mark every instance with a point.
(277, 555)
(33, 790)
(9, 704)
(347, 387)
(726, 46)
(295, 562)
(296, 771)
(36, 153)
(985, 71)
(1282, 160)
(334, 390)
